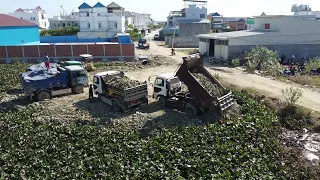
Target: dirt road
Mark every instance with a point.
(310, 99)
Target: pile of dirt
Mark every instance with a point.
(212, 88)
(123, 82)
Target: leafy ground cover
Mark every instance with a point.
(246, 148)
(9, 75)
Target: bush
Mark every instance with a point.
(291, 95)
(68, 31)
(267, 59)
(313, 63)
(236, 62)
(9, 75)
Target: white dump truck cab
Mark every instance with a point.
(99, 78)
(166, 85)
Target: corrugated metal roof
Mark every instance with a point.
(127, 14)
(6, 20)
(38, 8)
(228, 35)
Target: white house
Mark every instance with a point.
(101, 21)
(194, 11)
(36, 15)
(289, 35)
(71, 20)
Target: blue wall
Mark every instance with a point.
(74, 39)
(12, 36)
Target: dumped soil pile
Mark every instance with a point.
(213, 89)
(214, 115)
(123, 82)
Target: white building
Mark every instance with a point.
(141, 21)
(194, 11)
(36, 15)
(71, 20)
(101, 21)
(287, 34)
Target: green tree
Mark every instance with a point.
(134, 32)
(266, 58)
(68, 31)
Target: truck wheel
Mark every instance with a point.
(78, 89)
(190, 110)
(162, 101)
(43, 95)
(115, 106)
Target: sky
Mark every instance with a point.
(159, 9)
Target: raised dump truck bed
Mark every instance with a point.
(167, 88)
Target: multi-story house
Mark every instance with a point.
(216, 21)
(194, 11)
(36, 15)
(71, 20)
(105, 21)
(236, 24)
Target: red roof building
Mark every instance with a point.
(19, 10)
(9, 21)
(38, 8)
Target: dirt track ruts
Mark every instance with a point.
(310, 99)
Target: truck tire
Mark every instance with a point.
(77, 89)
(115, 106)
(190, 110)
(162, 101)
(43, 95)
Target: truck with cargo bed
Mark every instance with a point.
(120, 98)
(197, 100)
(45, 84)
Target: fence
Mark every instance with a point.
(100, 52)
(74, 39)
(71, 39)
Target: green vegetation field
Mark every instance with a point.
(245, 148)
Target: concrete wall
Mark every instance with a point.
(192, 29)
(182, 42)
(187, 35)
(299, 50)
(101, 52)
(71, 39)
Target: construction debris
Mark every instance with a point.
(123, 82)
(212, 88)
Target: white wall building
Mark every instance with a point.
(71, 20)
(37, 15)
(101, 21)
(194, 11)
(278, 32)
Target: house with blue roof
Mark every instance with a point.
(105, 21)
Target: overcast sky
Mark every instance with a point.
(160, 8)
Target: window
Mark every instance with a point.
(21, 18)
(64, 24)
(202, 16)
(116, 25)
(95, 80)
(88, 25)
(45, 24)
(159, 82)
(98, 14)
(75, 24)
(42, 16)
(100, 25)
(110, 11)
(266, 26)
(88, 14)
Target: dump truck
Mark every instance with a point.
(197, 100)
(45, 84)
(120, 98)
